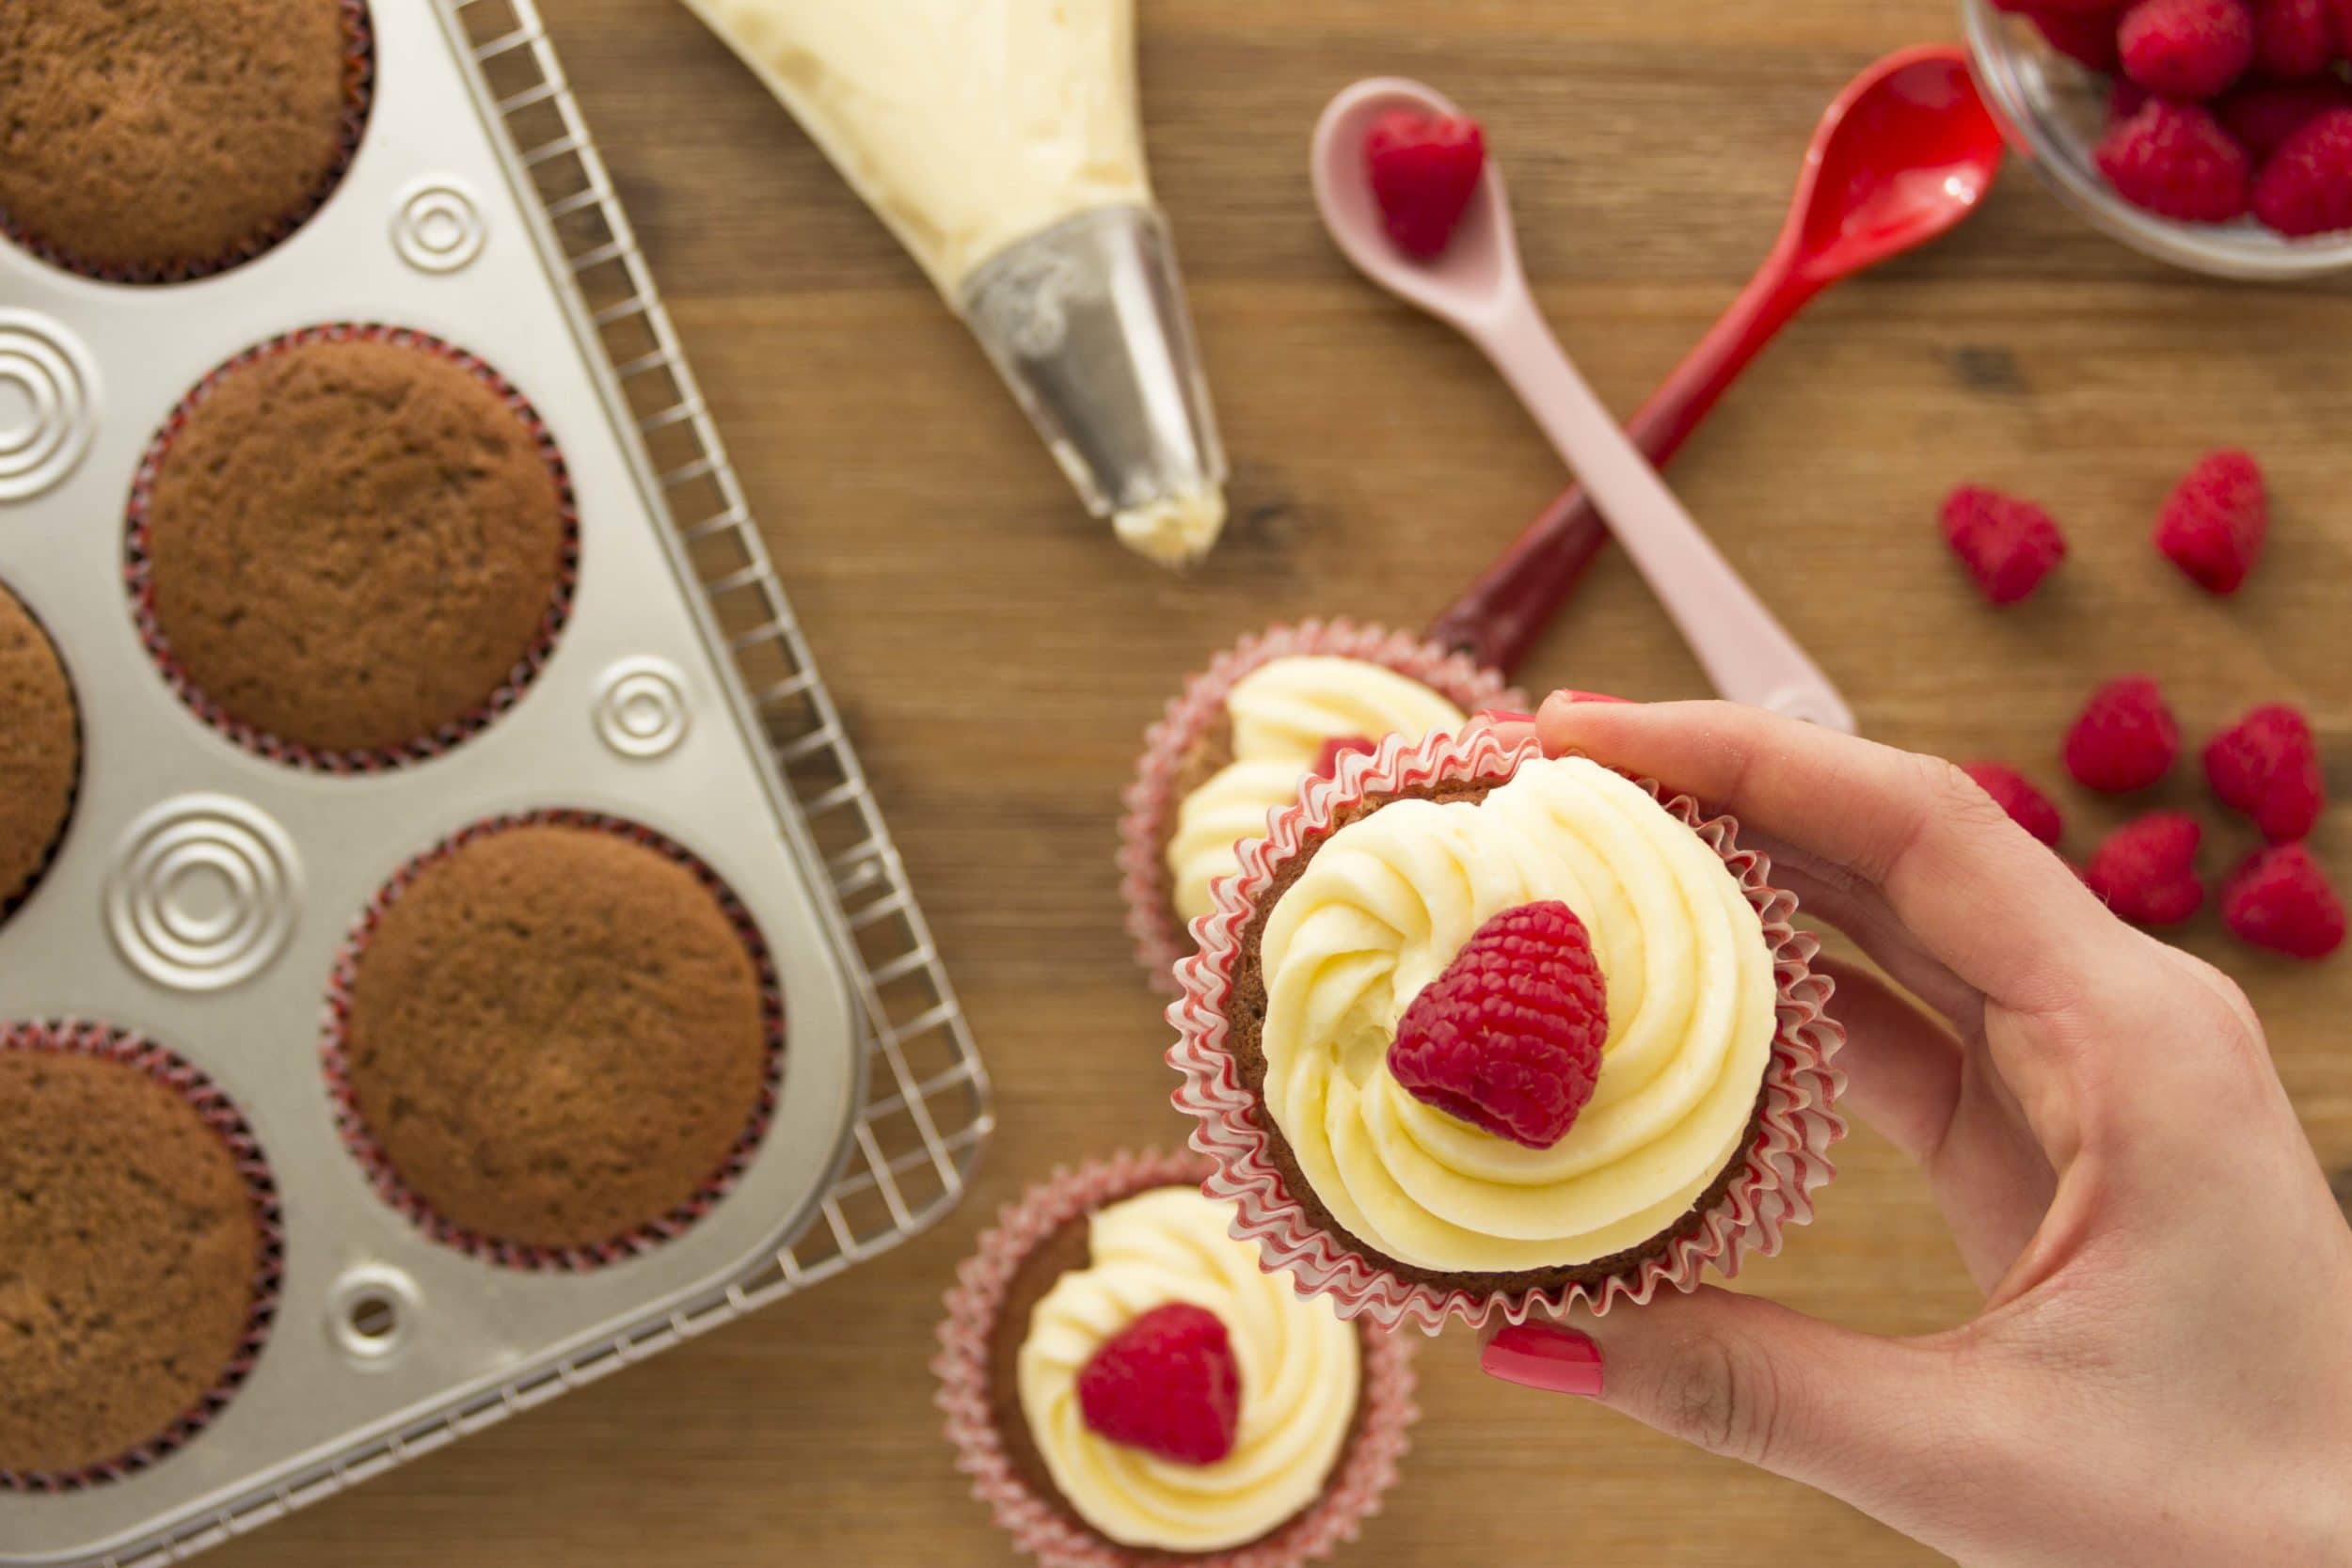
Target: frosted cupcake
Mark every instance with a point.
(1475, 1030)
(1248, 731)
(1126, 1386)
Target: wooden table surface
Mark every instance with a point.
(998, 657)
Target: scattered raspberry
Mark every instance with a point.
(1167, 1384)
(2264, 114)
(2280, 899)
(2126, 738)
(2147, 870)
(2306, 188)
(2009, 545)
(2186, 48)
(2293, 39)
(2085, 36)
(2027, 806)
(2266, 765)
(2176, 161)
(1508, 1038)
(1327, 760)
(2213, 525)
(1424, 170)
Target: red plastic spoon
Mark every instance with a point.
(1906, 153)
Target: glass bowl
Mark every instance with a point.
(2054, 112)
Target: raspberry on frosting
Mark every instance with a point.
(2266, 765)
(1509, 1038)
(1167, 1384)
(2125, 739)
(2281, 900)
(2147, 870)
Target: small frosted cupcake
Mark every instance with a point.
(1126, 1387)
(174, 138)
(1245, 732)
(1475, 1031)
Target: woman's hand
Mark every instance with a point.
(2162, 1371)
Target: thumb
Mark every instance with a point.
(1861, 1417)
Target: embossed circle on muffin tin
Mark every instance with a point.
(50, 378)
(139, 574)
(203, 892)
(377, 1167)
(437, 224)
(641, 707)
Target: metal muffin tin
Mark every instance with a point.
(203, 891)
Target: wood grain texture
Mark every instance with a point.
(998, 658)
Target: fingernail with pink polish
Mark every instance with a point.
(1540, 1356)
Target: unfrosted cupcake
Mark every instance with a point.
(1476, 1029)
(1248, 731)
(172, 138)
(554, 1041)
(40, 750)
(1126, 1387)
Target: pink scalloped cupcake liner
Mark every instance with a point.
(359, 98)
(139, 574)
(1036, 1525)
(363, 1147)
(1150, 800)
(80, 1036)
(1786, 1159)
(10, 903)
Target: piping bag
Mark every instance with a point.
(999, 141)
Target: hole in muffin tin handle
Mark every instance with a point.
(370, 1313)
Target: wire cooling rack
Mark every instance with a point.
(926, 1111)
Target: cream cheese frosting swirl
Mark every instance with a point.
(1301, 1372)
(1282, 712)
(1382, 909)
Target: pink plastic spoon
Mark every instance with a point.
(1478, 288)
(1906, 152)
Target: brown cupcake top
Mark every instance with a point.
(168, 137)
(40, 749)
(129, 1254)
(353, 544)
(556, 1036)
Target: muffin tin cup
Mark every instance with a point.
(138, 575)
(379, 1170)
(1786, 1157)
(1154, 797)
(359, 94)
(13, 902)
(82, 1037)
(973, 1305)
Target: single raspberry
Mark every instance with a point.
(2176, 161)
(2306, 188)
(1327, 760)
(2213, 525)
(1167, 1384)
(2281, 900)
(2293, 39)
(2147, 869)
(1508, 1038)
(2125, 738)
(2186, 48)
(2262, 115)
(2015, 794)
(2266, 765)
(1424, 170)
(2009, 545)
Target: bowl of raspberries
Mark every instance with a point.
(2215, 134)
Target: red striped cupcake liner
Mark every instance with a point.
(1045, 1531)
(359, 98)
(138, 574)
(377, 1166)
(79, 1036)
(1150, 800)
(23, 896)
(1786, 1160)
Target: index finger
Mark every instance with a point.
(2003, 912)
